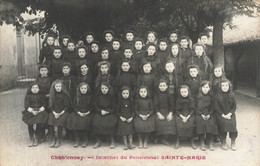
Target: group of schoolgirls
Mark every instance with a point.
(153, 89)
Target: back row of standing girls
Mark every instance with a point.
(122, 88)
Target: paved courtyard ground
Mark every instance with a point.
(14, 139)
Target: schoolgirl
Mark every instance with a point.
(64, 42)
(162, 52)
(218, 76)
(185, 50)
(81, 59)
(44, 80)
(138, 51)
(46, 52)
(59, 102)
(151, 38)
(174, 55)
(68, 80)
(56, 63)
(129, 39)
(103, 75)
(201, 60)
(89, 37)
(128, 55)
(193, 79)
(204, 38)
(94, 57)
(108, 37)
(164, 108)
(85, 76)
(70, 56)
(105, 120)
(125, 113)
(170, 76)
(172, 37)
(144, 122)
(206, 125)
(79, 121)
(225, 106)
(115, 55)
(35, 113)
(185, 118)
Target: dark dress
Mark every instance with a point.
(179, 68)
(94, 58)
(69, 82)
(104, 124)
(155, 63)
(162, 55)
(172, 82)
(224, 106)
(103, 78)
(79, 62)
(35, 101)
(44, 84)
(62, 102)
(87, 79)
(205, 106)
(84, 105)
(144, 106)
(204, 64)
(185, 106)
(125, 79)
(194, 85)
(125, 109)
(185, 54)
(115, 57)
(46, 54)
(138, 55)
(164, 103)
(56, 68)
(70, 57)
(147, 79)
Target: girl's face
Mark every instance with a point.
(173, 37)
(104, 89)
(94, 48)
(58, 87)
(84, 69)
(163, 86)
(83, 89)
(175, 50)
(104, 69)
(184, 92)
(218, 72)
(43, 72)
(71, 46)
(204, 39)
(199, 50)
(57, 53)
(225, 86)
(50, 41)
(105, 54)
(163, 46)
(151, 37)
(147, 68)
(138, 45)
(205, 89)
(169, 67)
(184, 43)
(194, 72)
(125, 66)
(35, 89)
(129, 36)
(151, 50)
(128, 53)
(89, 38)
(65, 41)
(82, 52)
(116, 45)
(108, 37)
(66, 70)
(143, 92)
(125, 94)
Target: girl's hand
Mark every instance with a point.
(103, 112)
(35, 112)
(169, 117)
(122, 119)
(229, 115)
(208, 117)
(41, 109)
(86, 113)
(160, 116)
(130, 120)
(30, 110)
(203, 116)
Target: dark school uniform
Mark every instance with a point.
(94, 58)
(69, 82)
(164, 103)
(205, 106)
(185, 54)
(179, 68)
(172, 82)
(185, 106)
(224, 106)
(115, 57)
(104, 124)
(138, 55)
(46, 54)
(125, 79)
(144, 106)
(83, 105)
(80, 61)
(56, 68)
(87, 78)
(148, 80)
(103, 78)
(194, 85)
(71, 56)
(35, 101)
(44, 84)
(155, 63)
(62, 103)
(125, 108)
(209, 52)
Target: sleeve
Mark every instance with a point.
(199, 105)
(133, 111)
(43, 101)
(137, 107)
(66, 102)
(156, 103)
(178, 107)
(233, 105)
(217, 106)
(75, 106)
(26, 102)
(151, 107)
(171, 103)
(211, 111)
(96, 105)
(192, 107)
(118, 110)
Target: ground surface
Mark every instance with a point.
(14, 140)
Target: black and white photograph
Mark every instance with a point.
(129, 82)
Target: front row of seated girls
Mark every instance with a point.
(183, 115)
